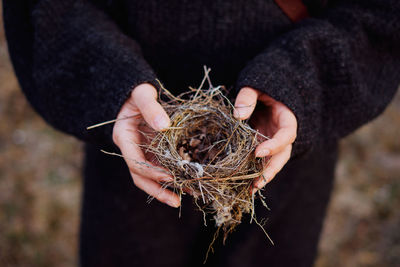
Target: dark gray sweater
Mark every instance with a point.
(77, 61)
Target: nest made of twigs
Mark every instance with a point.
(209, 153)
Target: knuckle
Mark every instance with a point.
(132, 168)
(141, 88)
(146, 107)
(264, 183)
(244, 90)
(288, 153)
(249, 90)
(151, 90)
(287, 158)
(270, 171)
(152, 110)
(115, 138)
(274, 172)
(293, 137)
(261, 183)
(273, 144)
(289, 148)
(268, 177)
(271, 176)
(136, 91)
(275, 167)
(143, 94)
(135, 180)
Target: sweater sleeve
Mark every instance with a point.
(74, 64)
(335, 71)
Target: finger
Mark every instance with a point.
(190, 192)
(286, 134)
(282, 138)
(245, 103)
(155, 190)
(145, 98)
(274, 165)
(127, 140)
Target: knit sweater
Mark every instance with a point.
(78, 60)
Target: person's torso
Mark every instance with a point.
(178, 37)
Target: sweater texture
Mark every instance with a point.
(78, 60)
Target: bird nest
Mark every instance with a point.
(209, 153)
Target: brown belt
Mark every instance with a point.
(294, 9)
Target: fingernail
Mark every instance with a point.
(238, 112)
(262, 153)
(255, 189)
(173, 203)
(265, 179)
(161, 122)
(167, 179)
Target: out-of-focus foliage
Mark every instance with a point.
(40, 189)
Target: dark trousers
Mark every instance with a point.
(120, 229)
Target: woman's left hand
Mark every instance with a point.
(274, 120)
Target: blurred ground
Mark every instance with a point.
(40, 188)
(363, 223)
(39, 182)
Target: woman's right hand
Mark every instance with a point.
(143, 102)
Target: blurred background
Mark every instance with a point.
(40, 189)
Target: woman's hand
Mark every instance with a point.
(274, 120)
(143, 102)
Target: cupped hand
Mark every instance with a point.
(142, 104)
(274, 120)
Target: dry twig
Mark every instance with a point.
(209, 153)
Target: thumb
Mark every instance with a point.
(245, 103)
(145, 98)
